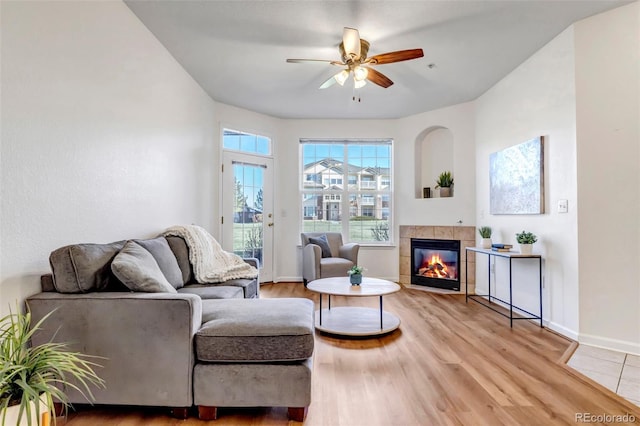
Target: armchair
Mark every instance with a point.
(341, 259)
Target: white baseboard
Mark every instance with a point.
(612, 344)
(288, 279)
(560, 329)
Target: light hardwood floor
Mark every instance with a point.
(450, 363)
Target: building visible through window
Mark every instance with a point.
(366, 166)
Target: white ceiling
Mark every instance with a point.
(236, 50)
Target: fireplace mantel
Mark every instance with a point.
(465, 234)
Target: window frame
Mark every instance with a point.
(256, 142)
(382, 193)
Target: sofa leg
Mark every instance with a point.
(180, 412)
(297, 414)
(207, 413)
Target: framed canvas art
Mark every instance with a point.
(516, 177)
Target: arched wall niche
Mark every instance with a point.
(433, 155)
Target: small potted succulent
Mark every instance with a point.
(445, 182)
(526, 240)
(355, 275)
(485, 233)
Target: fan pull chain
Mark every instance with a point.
(354, 96)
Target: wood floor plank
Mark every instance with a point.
(449, 363)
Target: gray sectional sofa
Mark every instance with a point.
(210, 345)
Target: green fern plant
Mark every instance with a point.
(38, 373)
(445, 180)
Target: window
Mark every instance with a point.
(366, 199)
(246, 142)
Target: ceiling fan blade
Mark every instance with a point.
(299, 61)
(378, 78)
(351, 42)
(400, 55)
(330, 82)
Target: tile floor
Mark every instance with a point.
(616, 371)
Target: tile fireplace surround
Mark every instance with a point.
(465, 234)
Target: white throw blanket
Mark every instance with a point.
(211, 264)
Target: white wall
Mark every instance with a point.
(536, 99)
(608, 153)
(104, 136)
(379, 261)
(460, 122)
(434, 155)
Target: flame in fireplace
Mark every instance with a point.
(434, 268)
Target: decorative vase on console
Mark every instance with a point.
(355, 275)
(485, 233)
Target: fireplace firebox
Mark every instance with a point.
(435, 263)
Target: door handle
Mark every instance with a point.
(270, 224)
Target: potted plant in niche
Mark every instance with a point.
(445, 182)
(526, 240)
(32, 377)
(355, 275)
(485, 233)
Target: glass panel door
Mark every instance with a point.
(247, 213)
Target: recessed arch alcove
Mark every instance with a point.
(433, 155)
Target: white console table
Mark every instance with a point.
(481, 298)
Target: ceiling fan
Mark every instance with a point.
(353, 51)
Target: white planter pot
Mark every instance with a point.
(486, 243)
(10, 415)
(526, 248)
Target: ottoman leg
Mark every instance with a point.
(297, 414)
(207, 413)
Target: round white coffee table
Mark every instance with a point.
(354, 321)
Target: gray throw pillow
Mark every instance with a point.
(83, 268)
(162, 253)
(139, 271)
(323, 243)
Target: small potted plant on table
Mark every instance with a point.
(31, 377)
(355, 275)
(526, 240)
(485, 233)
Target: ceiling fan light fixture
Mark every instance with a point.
(341, 77)
(359, 83)
(360, 73)
(353, 52)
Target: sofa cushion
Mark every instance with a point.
(161, 252)
(335, 266)
(323, 243)
(255, 330)
(181, 251)
(82, 268)
(213, 291)
(249, 286)
(139, 271)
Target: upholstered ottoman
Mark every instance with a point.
(254, 353)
